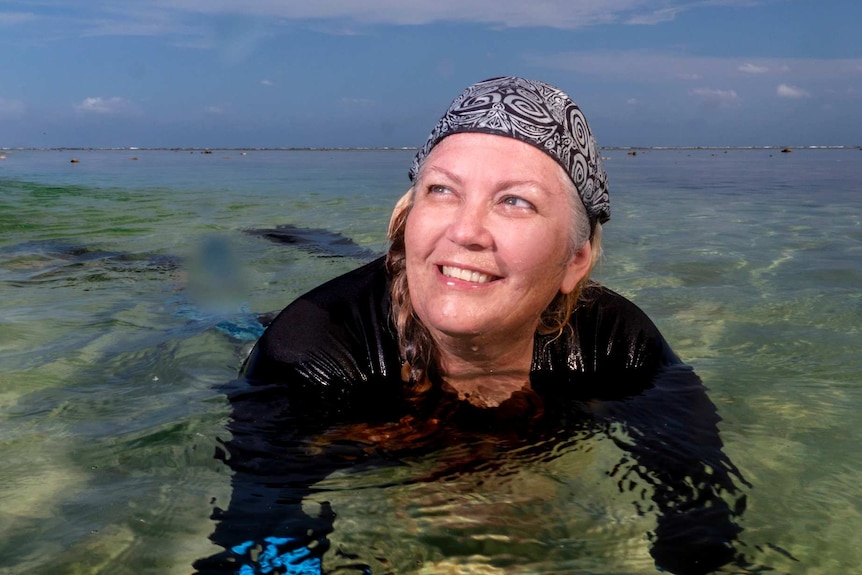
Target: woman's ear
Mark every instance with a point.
(577, 268)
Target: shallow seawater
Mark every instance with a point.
(114, 347)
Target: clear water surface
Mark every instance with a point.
(113, 345)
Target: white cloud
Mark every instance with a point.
(99, 105)
(266, 82)
(750, 68)
(721, 98)
(11, 18)
(788, 91)
(117, 27)
(654, 17)
(650, 67)
(121, 18)
(214, 110)
(180, 20)
(358, 102)
(565, 14)
(11, 108)
(632, 102)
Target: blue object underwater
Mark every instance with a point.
(272, 559)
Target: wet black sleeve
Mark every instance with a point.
(676, 458)
(327, 358)
(332, 340)
(656, 409)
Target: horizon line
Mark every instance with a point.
(382, 148)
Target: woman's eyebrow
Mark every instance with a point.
(441, 171)
(525, 183)
(504, 185)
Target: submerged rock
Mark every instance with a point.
(318, 241)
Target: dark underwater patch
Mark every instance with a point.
(37, 262)
(317, 241)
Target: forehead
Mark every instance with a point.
(493, 155)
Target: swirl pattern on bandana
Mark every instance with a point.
(537, 114)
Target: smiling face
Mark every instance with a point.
(488, 239)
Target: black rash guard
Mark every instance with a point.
(330, 361)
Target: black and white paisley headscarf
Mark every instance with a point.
(538, 114)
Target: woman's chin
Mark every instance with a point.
(460, 329)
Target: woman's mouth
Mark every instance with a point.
(465, 275)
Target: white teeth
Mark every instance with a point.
(465, 275)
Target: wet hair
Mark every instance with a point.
(417, 347)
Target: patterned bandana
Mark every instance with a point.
(538, 114)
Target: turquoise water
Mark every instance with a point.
(113, 344)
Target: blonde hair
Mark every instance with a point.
(415, 342)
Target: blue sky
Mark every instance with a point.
(345, 73)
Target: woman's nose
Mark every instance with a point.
(468, 228)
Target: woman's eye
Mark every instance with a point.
(517, 202)
(435, 189)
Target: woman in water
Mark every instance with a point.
(479, 321)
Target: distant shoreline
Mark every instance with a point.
(393, 148)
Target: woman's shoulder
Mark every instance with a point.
(353, 290)
(368, 279)
(603, 303)
(625, 330)
(331, 331)
(608, 334)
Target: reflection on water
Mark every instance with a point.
(528, 515)
(110, 409)
(559, 476)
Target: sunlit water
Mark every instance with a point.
(113, 346)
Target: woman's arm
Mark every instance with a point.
(325, 360)
(670, 431)
(656, 409)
